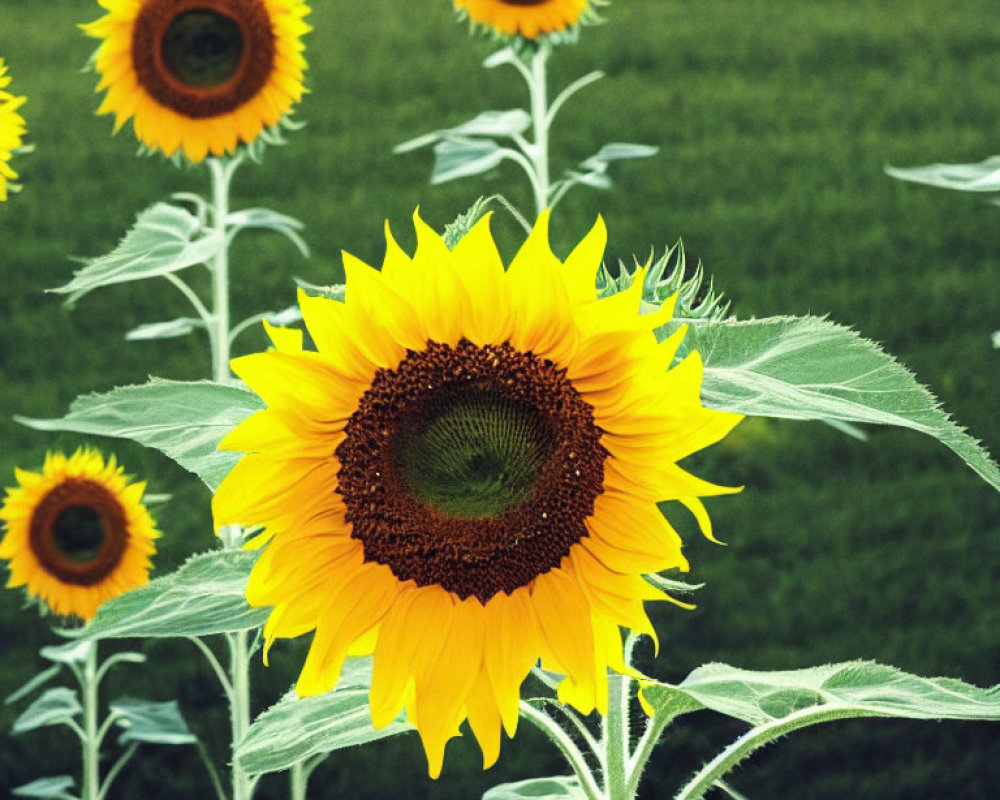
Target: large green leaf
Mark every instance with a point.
(184, 420)
(205, 596)
(854, 688)
(164, 239)
(298, 728)
(564, 787)
(777, 703)
(54, 707)
(153, 722)
(811, 368)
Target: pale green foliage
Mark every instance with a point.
(205, 596)
(151, 722)
(564, 787)
(54, 707)
(296, 728)
(812, 369)
(185, 421)
(45, 788)
(854, 688)
(165, 239)
(981, 177)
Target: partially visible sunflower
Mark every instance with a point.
(200, 75)
(463, 479)
(77, 534)
(527, 18)
(12, 129)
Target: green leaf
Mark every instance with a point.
(38, 680)
(46, 788)
(298, 728)
(73, 652)
(185, 421)
(488, 123)
(266, 219)
(618, 151)
(55, 707)
(833, 691)
(147, 721)
(981, 177)
(564, 787)
(165, 330)
(463, 157)
(164, 239)
(205, 596)
(813, 369)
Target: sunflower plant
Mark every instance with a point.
(527, 35)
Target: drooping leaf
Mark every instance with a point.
(185, 421)
(165, 330)
(73, 652)
(298, 728)
(37, 681)
(152, 722)
(495, 124)
(54, 788)
(266, 219)
(464, 157)
(618, 151)
(563, 787)
(981, 177)
(205, 596)
(55, 707)
(164, 239)
(812, 369)
(833, 691)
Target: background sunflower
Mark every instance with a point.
(12, 128)
(76, 534)
(527, 18)
(199, 76)
(774, 120)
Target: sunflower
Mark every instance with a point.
(527, 18)
(463, 477)
(11, 130)
(199, 75)
(77, 533)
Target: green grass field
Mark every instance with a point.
(774, 121)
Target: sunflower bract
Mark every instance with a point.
(200, 77)
(77, 533)
(462, 478)
(12, 129)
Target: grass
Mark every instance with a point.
(775, 119)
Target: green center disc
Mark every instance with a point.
(474, 454)
(202, 49)
(79, 534)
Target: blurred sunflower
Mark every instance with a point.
(463, 479)
(77, 533)
(200, 75)
(527, 18)
(12, 128)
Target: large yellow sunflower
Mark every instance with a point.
(12, 128)
(199, 75)
(527, 18)
(463, 478)
(77, 533)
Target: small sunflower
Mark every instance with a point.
(527, 18)
(12, 129)
(77, 533)
(200, 75)
(463, 478)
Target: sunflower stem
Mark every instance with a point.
(616, 740)
(239, 708)
(566, 746)
(91, 788)
(222, 171)
(539, 152)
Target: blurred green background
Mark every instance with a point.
(775, 118)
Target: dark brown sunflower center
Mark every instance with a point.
(471, 468)
(79, 532)
(203, 58)
(202, 48)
